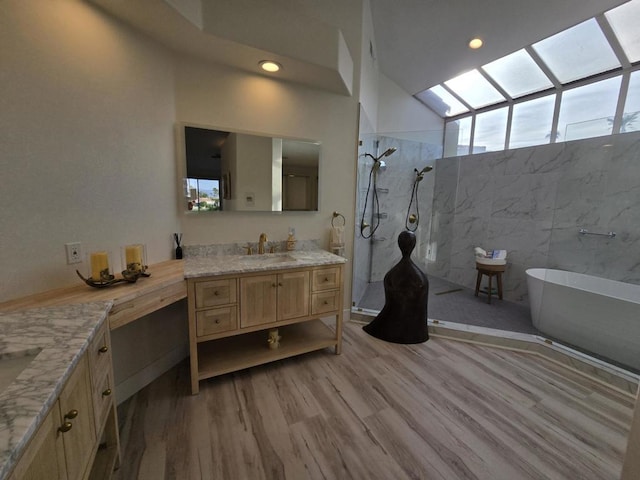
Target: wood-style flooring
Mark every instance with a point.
(440, 410)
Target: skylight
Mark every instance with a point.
(579, 83)
(442, 102)
(624, 21)
(577, 52)
(474, 89)
(518, 74)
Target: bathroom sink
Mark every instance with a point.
(270, 259)
(11, 367)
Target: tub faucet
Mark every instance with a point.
(261, 242)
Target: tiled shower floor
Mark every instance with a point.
(452, 303)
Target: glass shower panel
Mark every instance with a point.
(414, 151)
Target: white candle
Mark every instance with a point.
(99, 262)
(133, 256)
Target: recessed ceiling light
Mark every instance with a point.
(270, 66)
(475, 43)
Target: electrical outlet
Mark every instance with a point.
(74, 252)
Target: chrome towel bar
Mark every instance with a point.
(584, 231)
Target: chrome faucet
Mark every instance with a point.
(261, 242)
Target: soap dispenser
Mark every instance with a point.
(291, 239)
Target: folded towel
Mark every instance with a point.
(480, 252)
(337, 236)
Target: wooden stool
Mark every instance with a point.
(490, 271)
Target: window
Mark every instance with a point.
(457, 137)
(531, 122)
(203, 195)
(582, 66)
(630, 121)
(588, 111)
(490, 131)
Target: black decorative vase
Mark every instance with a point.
(178, 252)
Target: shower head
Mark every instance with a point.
(420, 174)
(388, 151)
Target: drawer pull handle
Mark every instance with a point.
(216, 293)
(273, 285)
(326, 279)
(106, 393)
(217, 320)
(71, 414)
(279, 284)
(65, 427)
(326, 302)
(103, 349)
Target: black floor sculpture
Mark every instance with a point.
(406, 290)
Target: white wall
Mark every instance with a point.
(226, 98)
(87, 152)
(400, 112)
(86, 142)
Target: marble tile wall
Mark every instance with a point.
(532, 202)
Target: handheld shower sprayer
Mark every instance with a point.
(420, 174)
(412, 220)
(378, 165)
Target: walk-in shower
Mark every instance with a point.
(383, 196)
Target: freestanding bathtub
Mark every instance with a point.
(596, 314)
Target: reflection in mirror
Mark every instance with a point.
(234, 171)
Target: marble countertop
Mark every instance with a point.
(61, 335)
(229, 264)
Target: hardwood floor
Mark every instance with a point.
(439, 410)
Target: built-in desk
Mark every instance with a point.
(130, 300)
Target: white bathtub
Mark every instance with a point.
(599, 315)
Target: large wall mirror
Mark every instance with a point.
(234, 171)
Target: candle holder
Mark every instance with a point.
(134, 259)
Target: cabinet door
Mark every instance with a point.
(76, 407)
(293, 295)
(44, 457)
(258, 297)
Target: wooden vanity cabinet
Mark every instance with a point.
(269, 298)
(229, 317)
(78, 438)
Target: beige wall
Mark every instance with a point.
(86, 142)
(226, 98)
(88, 116)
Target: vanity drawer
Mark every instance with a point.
(326, 279)
(216, 320)
(103, 393)
(100, 353)
(324, 302)
(215, 292)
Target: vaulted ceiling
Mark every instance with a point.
(421, 43)
(418, 43)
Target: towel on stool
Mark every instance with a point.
(337, 240)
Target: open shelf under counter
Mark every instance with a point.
(230, 354)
